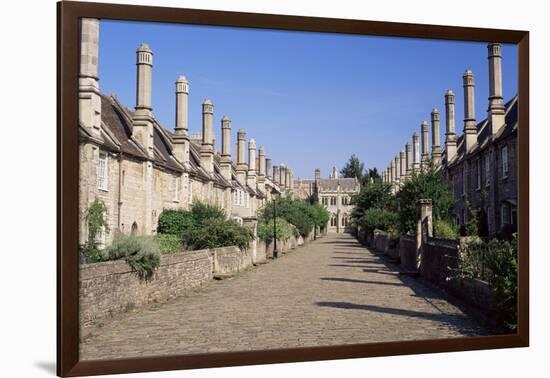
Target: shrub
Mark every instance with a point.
(173, 222)
(303, 215)
(203, 212)
(169, 243)
(266, 233)
(375, 218)
(430, 184)
(496, 263)
(96, 220)
(445, 230)
(215, 232)
(141, 253)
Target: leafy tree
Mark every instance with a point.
(372, 195)
(429, 184)
(96, 218)
(353, 168)
(301, 214)
(378, 219)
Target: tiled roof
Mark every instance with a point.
(346, 184)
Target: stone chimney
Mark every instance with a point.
(402, 166)
(317, 175)
(89, 99)
(392, 172)
(251, 176)
(408, 158)
(470, 130)
(334, 172)
(276, 175)
(425, 163)
(268, 170)
(225, 160)
(450, 133)
(242, 167)
(436, 148)
(181, 134)
(207, 146)
(261, 165)
(142, 123)
(282, 176)
(416, 153)
(288, 179)
(496, 101)
(397, 165)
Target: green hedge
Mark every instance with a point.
(214, 233)
(266, 233)
(378, 219)
(140, 252)
(445, 230)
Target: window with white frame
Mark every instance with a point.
(333, 200)
(247, 200)
(175, 188)
(236, 197)
(102, 171)
(504, 156)
(487, 170)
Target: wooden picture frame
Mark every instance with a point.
(68, 363)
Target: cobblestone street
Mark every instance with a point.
(332, 291)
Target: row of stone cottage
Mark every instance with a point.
(137, 168)
(481, 163)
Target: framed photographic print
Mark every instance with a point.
(238, 188)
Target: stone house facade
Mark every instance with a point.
(481, 164)
(138, 168)
(334, 193)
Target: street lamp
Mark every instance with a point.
(274, 195)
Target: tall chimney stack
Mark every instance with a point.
(416, 153)
(436, 148)
(425, 163)
(450, 133)
(261, 167)
(496, 101)
(268, 171)
(207, 146)
(89, 99)
(276, 175)
(251, 176)
(397, 165)
(470, 130)
(408, 158)
(402, 166)
(142, 123)
(282, 176)
(225, 160)
(181, 134)
(242, 168)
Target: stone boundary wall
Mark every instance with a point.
(439, 260)
(111, 287)
(407, 252)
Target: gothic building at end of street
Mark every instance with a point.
(481, 164)
(138, 168)
(334, 193)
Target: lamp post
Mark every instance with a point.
(274, 196)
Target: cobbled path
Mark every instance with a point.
(332, 291)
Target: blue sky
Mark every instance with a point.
(311, 99)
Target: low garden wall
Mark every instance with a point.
(407, 252)
(439, 260)
(112, 286)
